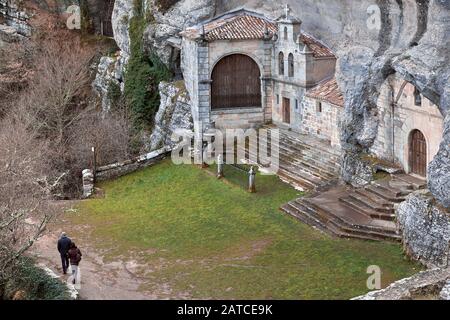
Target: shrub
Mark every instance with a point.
(35, 283)
(143, 74)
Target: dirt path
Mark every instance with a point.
(99, 281)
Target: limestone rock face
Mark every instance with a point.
(174, 114)
(109, 72)
(121, 15)
(425, 229)
(163, 34)
(439, 169)
(15, 16)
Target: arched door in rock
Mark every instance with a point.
(418, 153)
(236, 83)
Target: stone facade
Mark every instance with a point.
(321, 119)
(392, 142)
(312, 62)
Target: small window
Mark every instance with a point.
(281, 63)
(291, 65)
(417, 97)
(278, 99)
(285, 33)
(296, 104)
(318, 106)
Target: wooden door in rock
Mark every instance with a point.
(286, 110)
(236, 83)
(418, 153)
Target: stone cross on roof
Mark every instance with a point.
(286, 8)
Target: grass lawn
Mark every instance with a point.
(211, 239)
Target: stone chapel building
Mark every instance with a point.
(244, 70)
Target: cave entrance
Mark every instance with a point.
(418, 153)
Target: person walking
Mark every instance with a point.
(74, 258)
(63, 247)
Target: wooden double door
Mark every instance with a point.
(236, 83)
(418, 153)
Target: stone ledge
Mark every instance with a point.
(219, 112)
(425, 284)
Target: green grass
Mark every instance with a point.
(212, 239)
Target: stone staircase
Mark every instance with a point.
(304, 162)
(363, 213)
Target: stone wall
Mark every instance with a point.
(124, 167)
(407, 116)
(323, 125)
(425, 229)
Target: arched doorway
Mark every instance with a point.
(236, 83)
(418, 153)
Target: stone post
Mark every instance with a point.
(251, 180)
(88, 183)
(219, 167)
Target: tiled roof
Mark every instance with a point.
(327, 90)
(247, 25)
(242, 27)
(318, 49)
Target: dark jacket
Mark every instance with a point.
(64, 245)
(74, 256)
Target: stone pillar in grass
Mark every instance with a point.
(219, 167)
(88, 183)
(251, 180)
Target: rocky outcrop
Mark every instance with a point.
(161, 34)
(109, 73)
(439, 169)
(121, 16)
(430, 284)
(174, 114)
(425, 230)
(15, 16)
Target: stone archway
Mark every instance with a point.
(236, 83)
(417, 153)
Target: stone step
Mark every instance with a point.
(317, 160)
(376, 199)
(353, 221)
(294, 171)
(339, 227)
(359, 206)
(305, 149)
(300, 166)
(384, 185)
(308, 142)
(384, 194)
(375, 206)
(296, 181)
(317, 224)
(416, 182)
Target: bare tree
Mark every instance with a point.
(25, 187)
